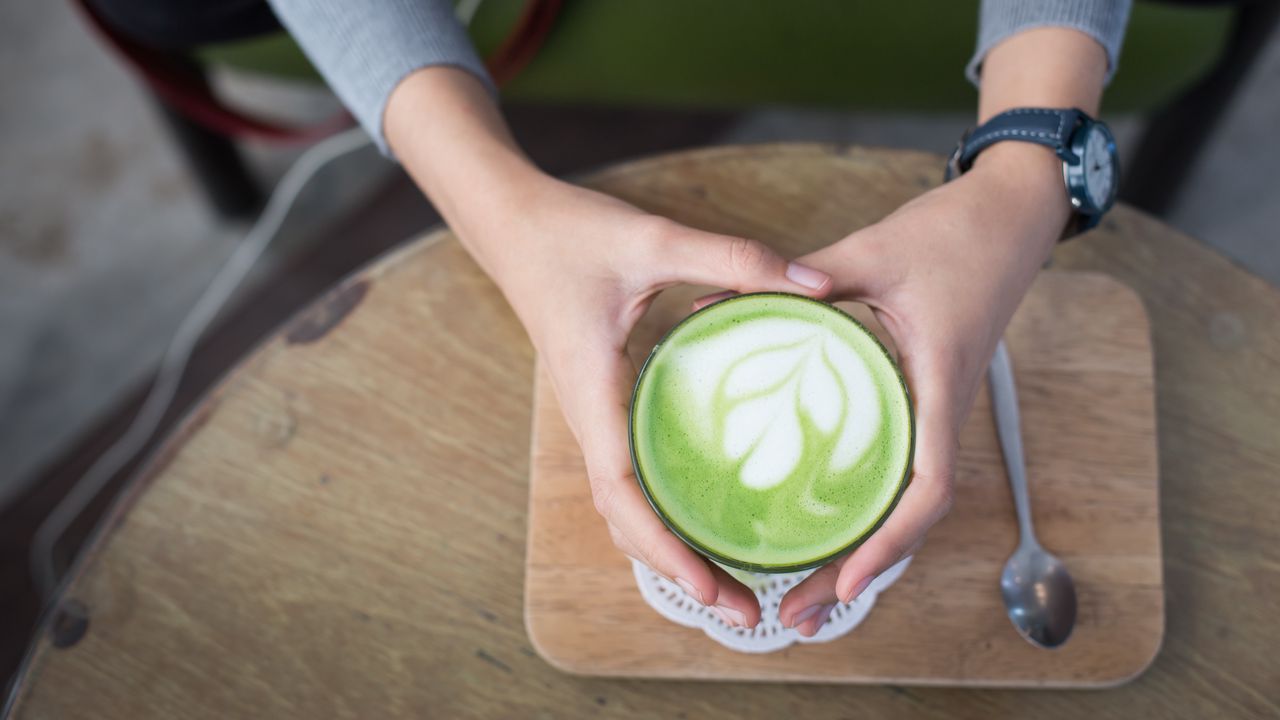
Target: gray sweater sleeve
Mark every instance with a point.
(364, 48)
(1103, 20)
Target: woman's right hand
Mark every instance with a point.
(580, 268)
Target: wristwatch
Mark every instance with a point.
(1090, 164)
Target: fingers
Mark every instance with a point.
(926, 500)
(914, 549)
(821, 598)
(929, 496)
(601, 392)
(601, 404)
(743, 265)
(737, 604)
(639, 533)
(806, 601)
(856, 266)
(807, 606)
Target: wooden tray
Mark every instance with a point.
(1082, 356)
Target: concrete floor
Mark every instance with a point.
(105, 242)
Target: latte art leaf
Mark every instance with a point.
(766, 392)
(821, 393)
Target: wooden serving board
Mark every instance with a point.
(1082, 357)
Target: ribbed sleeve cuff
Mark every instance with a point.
(1103, 20)
(364, 49)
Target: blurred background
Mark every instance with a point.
(115, 211)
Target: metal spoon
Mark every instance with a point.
(1038, 592)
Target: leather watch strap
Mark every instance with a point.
(1043, 126)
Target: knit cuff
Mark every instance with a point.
(364, 49)
(1103, 20)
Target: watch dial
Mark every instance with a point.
(1099, 168)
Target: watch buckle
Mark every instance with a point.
(953, 169)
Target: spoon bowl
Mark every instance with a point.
(1039, 596)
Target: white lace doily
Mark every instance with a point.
(674, 604)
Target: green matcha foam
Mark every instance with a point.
(771, 431)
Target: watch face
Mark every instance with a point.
(1099, 167)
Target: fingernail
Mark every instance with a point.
(857, 589)
(719, 612)
(690, 589)
(819, 619)
(805, 615)
(824, 615)
(731, 616)
(806, 276)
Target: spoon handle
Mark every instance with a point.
(1004, 404)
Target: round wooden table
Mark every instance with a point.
(338, 530)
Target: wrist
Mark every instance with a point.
(446, 130)
(493, 190)
(1026, 186)
(499, 217)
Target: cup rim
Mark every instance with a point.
(686, 538)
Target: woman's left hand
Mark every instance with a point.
(943, 274)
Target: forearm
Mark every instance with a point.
(1051, 67)
(1043, 67)
(447, 131)
(364, 49)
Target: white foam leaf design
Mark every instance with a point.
(771, 388)
(777, 453)
(748, 421)
(820, 393)
(761, 370)
(860, 428)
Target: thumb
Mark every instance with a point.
(740, 264)
(850, 267)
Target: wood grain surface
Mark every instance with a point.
(1082, 356)
(339, 531)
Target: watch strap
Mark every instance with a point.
(1044, 126)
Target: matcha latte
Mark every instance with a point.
(771, 432)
